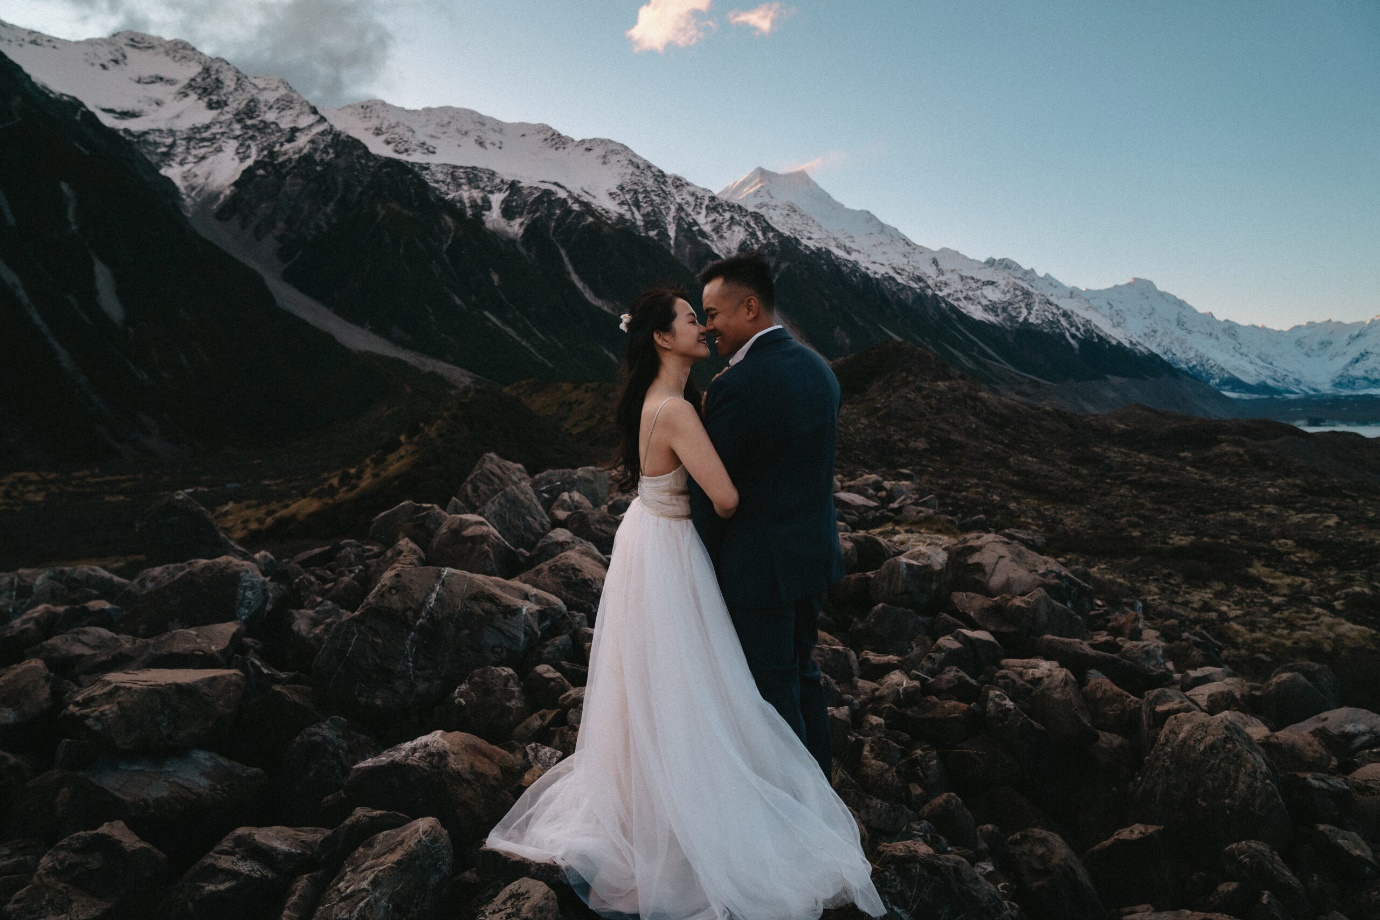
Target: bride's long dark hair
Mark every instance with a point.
(654, 310)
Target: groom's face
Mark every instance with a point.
(725, 315)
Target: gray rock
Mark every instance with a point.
(1058, 705)
(567, 504)
(1155, 709)
(315, 766)
(575, 576)
(490, 476)
(1346, 731)
(889, 630)
(1080, 658)
(597, 527)
(1051, 881)
(916, 882)
(398, 873)
(1210, 785)
(524, 899)
(589, 481)
(213, 646)
(1289, 698)
(470, 543)
(221, 590)
(176, 528)
(1255, 863)
(560, 541)
(93, 875)
(245, 875)
(26, 695)
(408, 520)
(60, 586)
(966, 649)
(404, 552)
(490, 703)
(66, 652)
(951, 818)
(1296, 752)
(993, 565)
(156, 709)
(917, 579)
(458, 778)
(1220, 696)
(421, 632)
(1111, 708)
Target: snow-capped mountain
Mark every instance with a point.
(1240, 360)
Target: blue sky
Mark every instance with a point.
(1228, 151)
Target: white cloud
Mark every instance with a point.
(331, 51)
(763, 18)
(823, 161)
(661, 23)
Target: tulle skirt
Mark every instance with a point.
(687, 797)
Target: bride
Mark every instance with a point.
(688, 797)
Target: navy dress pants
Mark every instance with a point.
(778, 643)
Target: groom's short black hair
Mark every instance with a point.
(749, 270)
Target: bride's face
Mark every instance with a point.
(686, 335)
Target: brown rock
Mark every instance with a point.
(156, 709)
(1050, 879)
(103, 873)
(470, 543)
(398, 873)
(524, 899)
(247, 874)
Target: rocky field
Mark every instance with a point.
(331, 734)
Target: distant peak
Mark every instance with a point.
(1142, 283)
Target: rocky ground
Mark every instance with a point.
(330, 734)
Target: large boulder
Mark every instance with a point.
(156, 709)
(1014, 620)
(315, 766)
(220, 590)
(1058, 705)
(1051, 881)
(560, 541)
(596, 526)
(410, 521)
(994, 565)
(1078, 656)
(1209, 784)
(1345, 731)
(60, 586)
(176, 528)
(1256, 865)
(62, 654)
(490, 703)
(398, 873)
(916, 882)
(1135, 866)
(421, 632)
(213, 646)
(455, 777)
(575, 576)
(490, 476)
(524, 899)
(26, 695)
(93, 875)
(245, 875)
(969, 650)
(917, 579)
(589, 481)
(889, 630)
(470, 543)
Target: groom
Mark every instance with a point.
(772, 417)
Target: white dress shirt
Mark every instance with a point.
(738, 355)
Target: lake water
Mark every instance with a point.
(1370, 431)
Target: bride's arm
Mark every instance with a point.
(691, 444)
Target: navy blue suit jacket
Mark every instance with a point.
(773, 418)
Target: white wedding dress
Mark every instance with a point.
(687, 797)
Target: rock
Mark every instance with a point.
(1134, 866)
(525, 899)
(490, 703)
(567, 504)
(1080, 658)
(1345, 731)
(952, 819)
(1155, 709)
(358, 826)
(560, 541)
(1220, 696)
(576, 577)
(1196, 677)
(456, 777)
(156, 709)
(953, 684)
(421, 632)
(213, 646)
(176, 528)
(101, 873)
(245, 875)
(404, 552)
(59, 586)
(993, 565)
(64, 653)
(591, 482)
(1027, 740)
(470, 543)
(918, 580)
(838, 661)
(545, 686)
(182, 803)
(26, 695)
(1317, 798)
(1210, 785)
(398, 873)
(1288, 698)
(221, 590)
(517, 514)
(968, 650)
(889, 630)
(408, 520)
(1317, 674)
(1255, 864)
(1111, 708)
(597, 527)
(1296, 752)
(1058, 705)
(315, 766)
(1344, 850)
(1051, 882)
(490, 476)
(866, 551)
(915, 881)
(19, 861)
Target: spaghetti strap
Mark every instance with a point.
(650, 431)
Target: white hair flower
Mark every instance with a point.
(626, 318)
